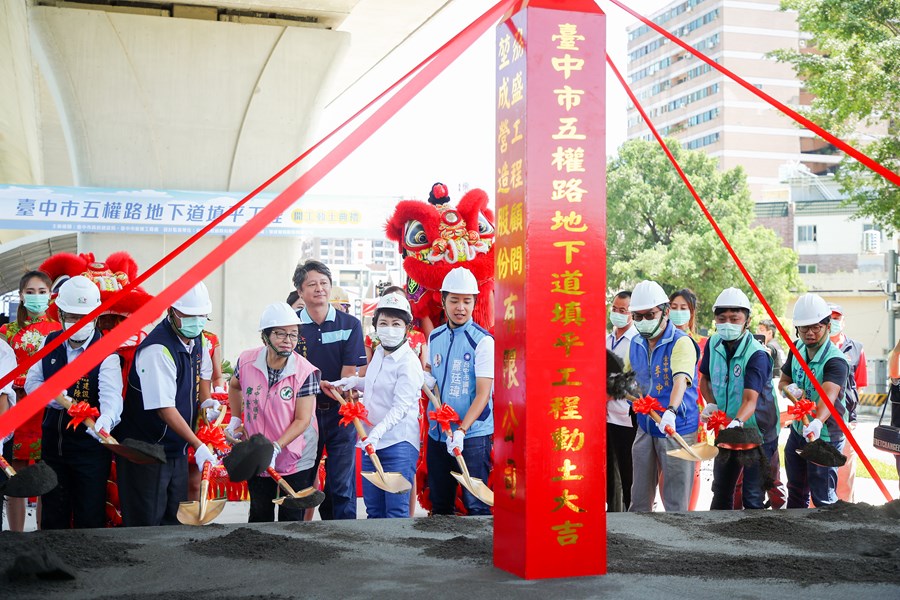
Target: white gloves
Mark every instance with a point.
(708, 411)
(666, 420)
(276, 450)
(212, 407)
(203, 455)
(369, 440)
(347, 383)
(814, 429)
(232, 428)
(220, 390)
(102, 422)
(794, 390)
(430, 381)
(735, 423)
(455, 441)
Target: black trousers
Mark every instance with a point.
(79, 500)
(150, 494)
(264, 489)
(619, 470)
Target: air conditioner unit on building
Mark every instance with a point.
(872, 241)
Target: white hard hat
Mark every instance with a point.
(732, 298)
(394, 301)
(460, 281)
(278, 314)
(195, 302)
(810, 309)
(78, 296)
(647, 294)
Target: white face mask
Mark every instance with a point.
(391, 337)
(83, 334)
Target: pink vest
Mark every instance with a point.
(270, 411)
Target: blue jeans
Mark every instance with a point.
(340, 468)
(725, 476)
(805, 478)
(397, 458)
(442, 485)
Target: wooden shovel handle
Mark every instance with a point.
(88, 422)
(7, 468)
(359, 428)
(435, 401)
(804, 419)
(671, 431)
(277, 478)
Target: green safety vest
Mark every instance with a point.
(727, 377)
(827, 352)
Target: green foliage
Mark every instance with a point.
(227, 369)
(656, 230)
(854, 74)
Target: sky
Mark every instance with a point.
(446, 133)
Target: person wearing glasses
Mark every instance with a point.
(812, 318)
(664, 360)
(275, 388)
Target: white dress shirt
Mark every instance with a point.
(110, 382)
(617, 410)
(157, 372)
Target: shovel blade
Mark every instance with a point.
(189, 512)
(477, 487)
(131, 454)
(36, 480)
(213, 509)
(306, 498)
(700, 451)
(394, 483)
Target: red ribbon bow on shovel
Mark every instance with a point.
(802, 408)
(718, 420)
(219, 396)
(81, 411)
(644, 405)
(210, 436)
(444, 416)
(354, 410)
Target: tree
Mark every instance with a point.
(852, 67)
(655, 230)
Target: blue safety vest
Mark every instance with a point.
(828, 351)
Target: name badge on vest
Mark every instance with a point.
(737, 370)
(286, 393)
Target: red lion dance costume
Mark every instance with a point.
(435, 238)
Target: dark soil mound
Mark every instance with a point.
(76, 549)
(478, 550)
(452, 524)
(248, 544)
(858, 513)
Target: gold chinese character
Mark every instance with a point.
(566, 533)
(566, 471)
(570, 159)
(503, 178)
(509, 477)
(567, 340)
(516, 260)
(519, 48)
(565, 372)
(517, 217)
(503, 135)
(509, 368)
(571, 222)
(518, 136)
(565, 408)
(568, 35)
(567, 97)
(502, 264)
(503, 93)
(503, 220)
(509, 314)
(516, 179)
(571, 246)
(570, 313)
(503, 48)
(568, 189)
(567, 500)
(509, 423)
(567, 282)
(567, 441)
(567, 130)
(518, 88)
(567, 64)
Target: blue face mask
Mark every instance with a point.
(729, 331)
(191, 327)
(36, 304)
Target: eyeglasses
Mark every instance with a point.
(284, 335)
(817, 328)
(645, 316)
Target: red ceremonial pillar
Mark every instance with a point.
(550, 390)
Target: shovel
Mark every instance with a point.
(306, 498)
(394, 483)
(140, 453)
(696, 453)
(817, 451)
(35, 480)
(475, 486)
(202, 512)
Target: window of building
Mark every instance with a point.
(806, 233)
(807, 269)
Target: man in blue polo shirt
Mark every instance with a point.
(332, 341)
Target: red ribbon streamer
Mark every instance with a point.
(796, 353)
(81, 411)
(802, 408)
(643, 406)
(213, 436)
(354, 410)
(457, 44)
(219, 396)
(152, 309)
(718, 420)
(445, 415)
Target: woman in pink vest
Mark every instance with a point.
(274, 388)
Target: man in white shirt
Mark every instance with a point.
(620, 424)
